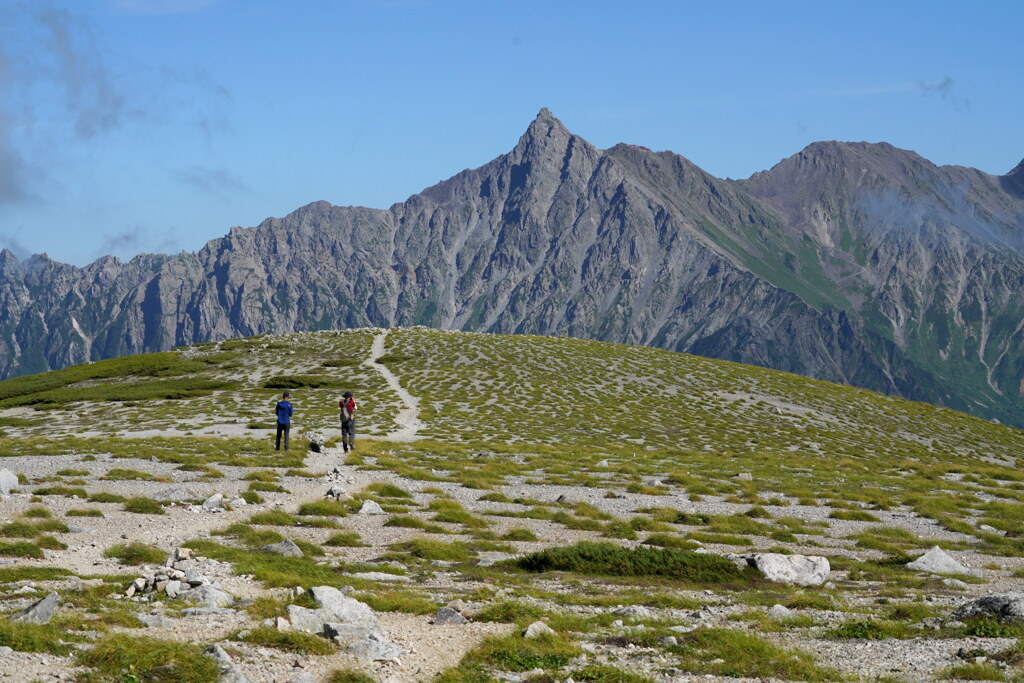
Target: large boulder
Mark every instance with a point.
(937, 561)
(339, 608)
(800, 570)
(1005, 607)
(347, 621)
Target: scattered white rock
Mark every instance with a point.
(538, 629)
(779, 612)
(8, 482)
(937, 561)
(371, 507)
(287, 548)
(801, 570)
(214, 503)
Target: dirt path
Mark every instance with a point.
(408, 418)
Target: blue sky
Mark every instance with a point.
(156, 125)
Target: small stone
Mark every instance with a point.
(371, 508)
(287, 548)
(668, 641)
(779, 612)
(745, 476)
(538, 629)
(447, 616)
(214, 503)
(182, 554)
(457, 605)
(336, 492)
(139, 583)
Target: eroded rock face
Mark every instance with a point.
(846, 262)
(800, 570)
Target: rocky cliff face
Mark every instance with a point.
(856, 263)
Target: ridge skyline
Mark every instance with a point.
(1012, 178)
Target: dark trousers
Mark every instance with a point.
(348, 434)
(282, 428)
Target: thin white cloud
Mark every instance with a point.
(217, 181)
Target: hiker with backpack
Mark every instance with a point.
(348, 421)
(284, 410)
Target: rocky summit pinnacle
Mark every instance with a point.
(853, 262)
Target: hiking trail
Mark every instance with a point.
(408, 418)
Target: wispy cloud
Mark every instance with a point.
(133, 239)
(92, 96)
(61, 86)
(9, 241)
(945, 90)
(217, 181)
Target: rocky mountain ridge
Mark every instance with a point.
(852, 262)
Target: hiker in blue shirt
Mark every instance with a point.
(284, 420)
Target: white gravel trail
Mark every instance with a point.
(408, 418)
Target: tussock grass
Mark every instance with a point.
(122, 657)
(136, 553)
(386, 490)
(143, 506)
(430, 549)
(510, 611)
(511, 653)
(519, 534)
(290, 641)
(27, 637)
(84, 512)
(345, 539)
(324, 508)
(399, 601)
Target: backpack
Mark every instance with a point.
(346, 410)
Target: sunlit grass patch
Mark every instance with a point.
(136, 553)
(120, 657)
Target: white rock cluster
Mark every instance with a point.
(181, 578)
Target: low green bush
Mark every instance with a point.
(607, 559)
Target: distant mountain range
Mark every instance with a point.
(851, 262)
